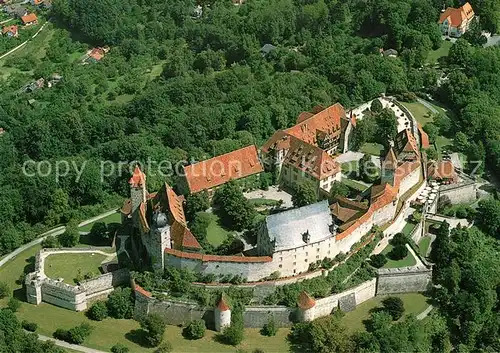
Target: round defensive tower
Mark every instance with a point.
(222, 314)
(306, 305)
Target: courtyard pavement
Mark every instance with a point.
(273, 193)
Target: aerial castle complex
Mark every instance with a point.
(289, 241)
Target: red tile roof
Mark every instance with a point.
(305, 301)
(143, 291)
(442, 170)
(222, 306)
(217, 258)
(424, 138)
(138, 179)
(10, 29)
(310, 159)
(219, 170)
(327, 120)
(29, 18)
(456, 17)
(97, 53)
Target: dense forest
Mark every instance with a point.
(216, 91)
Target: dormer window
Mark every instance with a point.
(306, 237)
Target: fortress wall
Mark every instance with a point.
(403, 280)
(459, 193)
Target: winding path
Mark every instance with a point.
(23, 43)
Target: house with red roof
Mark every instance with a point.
(211, 173)
(30, 19)
(10, 31)
(454, 22)
(306, 150)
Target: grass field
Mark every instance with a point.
(434, 55)
(420, 112)
(67, 265)
(423, 246)
(409, 260)
(408, 228)
(374, 149)
(113, 218)
(349, 168)
(215, 233)
(414, 303)
(110, 331)
(354, 185)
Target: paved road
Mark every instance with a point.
(69, 345)
(428, 105)
(424, 313)
(55, 231)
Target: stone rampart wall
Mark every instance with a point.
(465, 192)
(403, 280)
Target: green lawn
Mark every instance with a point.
(215, 233)
(423, 246)
(421, 113)
(351, 167)
(414, 303)
(408, 228)
(110, 331)
(113, 218)
(354, 185)
(375, 149)
(67, 265)
(434, 55)
(409, 260)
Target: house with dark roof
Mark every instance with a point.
(211, 173)
(454, 22)
(16, 11)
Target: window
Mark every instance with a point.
(305, 260)
(294, 271)
(294, 256)
(317, 250)
(307, 253)
(317, 256)
(294, 263)
(280, 266)
(328, 252)
(281, 259)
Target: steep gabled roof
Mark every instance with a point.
(311, 159)
(442, 170)
(391, 161)
(138, 178)
(222, 305)
(327, 120)
(221, 169)
(457, 16)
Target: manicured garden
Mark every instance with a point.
(414, 303)
(420, 112)
(409, 260)
(71, 266)
(215, 233)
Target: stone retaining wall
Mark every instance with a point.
(40, 288)
(403, 280)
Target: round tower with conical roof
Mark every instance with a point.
(306, 305)
(222, 314)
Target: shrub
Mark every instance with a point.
(378, 260)
(50, 242)
(121, 303)
(399, 239)
(61, 334)
(195, 330)
(79, 333)
(258, 350)
(232, 334)
(70, 237)
(4, 290)
(98, 311)
(13, 304)
(29, 326)
(165, 347)
(269, 328)
(119, 348)
(394, 306)
(398, 252)
(155, 326)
